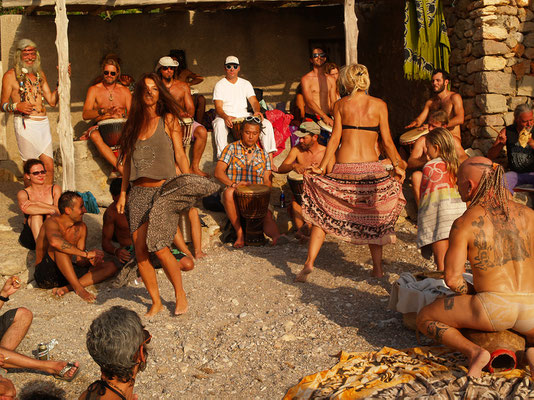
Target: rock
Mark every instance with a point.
(482, 144)
(513, 102)
(522, 3)
(491, 10)
(489, 132)
(529, 53)
(467, 90)
(526, 27)
(488, 63)
(288, 337)
(235, 302)
(242, 315)
(491, 119)
(490, 47)
(491, 103)
(288, 326)
(521, 69)
(484, 3)
(526, 86)
(518, 49)
(508, 118)
(495, 82)
(507, 10)
(528, 40)
(490, 33)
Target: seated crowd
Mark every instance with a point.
(346, 175)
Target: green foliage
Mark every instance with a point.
(13, 10)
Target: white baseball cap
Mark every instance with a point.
(166, 62)
(232, 60)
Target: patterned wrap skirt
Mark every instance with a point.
(161, 206)
(357, 202)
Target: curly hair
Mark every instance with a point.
(113, 340)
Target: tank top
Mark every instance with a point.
(153, 157)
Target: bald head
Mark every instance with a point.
(469, 175)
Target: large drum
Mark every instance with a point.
(296, 183)
(187, 130)
(253, 203)
(235, 130)
(410, 137)
(111, 130)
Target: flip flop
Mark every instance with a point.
(66, 369)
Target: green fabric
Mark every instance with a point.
(426, 44)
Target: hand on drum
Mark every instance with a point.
(228, 121)
(300, 168)
(116, 112)
(328, 120)
(243, 183)
(259, 115)
(314, 170)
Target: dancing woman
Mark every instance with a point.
(357, 201)
(151, 147)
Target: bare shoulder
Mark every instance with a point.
(170, 119)
(123, 88)
(308, 76)
(10, 74)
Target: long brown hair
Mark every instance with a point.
(138, 117)
(442, 138)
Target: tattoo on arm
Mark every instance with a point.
(436, 330)
(65, 245)
(448, 303)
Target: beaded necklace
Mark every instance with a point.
(27, 87)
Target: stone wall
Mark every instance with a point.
(492, 63)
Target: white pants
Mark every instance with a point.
(220, 131)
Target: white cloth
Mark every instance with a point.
(234, 97)
(33, 137)
(410, 295)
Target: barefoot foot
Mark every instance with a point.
(85, 295)
(156, 308)
(302, 276)
(198, 171)
(60, 291)
(200, 254)
(478, 361)
(181, 307)
(239, 243)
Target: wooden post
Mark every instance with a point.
(64, 125)
(351, 33)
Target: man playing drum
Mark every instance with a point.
(182, 94)
(230, 96)
(418, 157)
(244, 162)
(24, 90)
(107, 100)
(495, 235)
(306, 154)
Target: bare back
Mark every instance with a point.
(500, 250)
(358, 145)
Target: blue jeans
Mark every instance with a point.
(514, 179)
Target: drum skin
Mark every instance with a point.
(111, 130)
(411, 136)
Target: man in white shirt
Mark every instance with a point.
(230, 97)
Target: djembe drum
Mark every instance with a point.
(187, 130)
(296, 184)
(111, 131)
(235, 130)
(253, 203)
(410, 137)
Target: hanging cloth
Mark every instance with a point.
(426, 44)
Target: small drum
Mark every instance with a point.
(296, 183)
(411, 136)
(235, 130)
(253, 203)
(187, 130)
(111, 130)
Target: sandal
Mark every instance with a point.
(63, 374)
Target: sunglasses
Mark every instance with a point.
(317, 55)
(252, 118)
(41, 172)
(166, 68)
(230, 66)
(148, 338)
(112, 73)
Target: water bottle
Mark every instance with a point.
(282, 200)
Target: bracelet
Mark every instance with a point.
(4, 299)
(9, 107)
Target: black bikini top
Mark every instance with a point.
(363, 128)
(98, 389)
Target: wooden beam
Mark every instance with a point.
(351, 33)
(64, 127)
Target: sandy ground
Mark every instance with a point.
(250, 333)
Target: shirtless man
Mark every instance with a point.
(319, 89)
(443, 99)
(24, 90)
(418, 157)
(108, 99)
(37, 201)
(61, 238)
(306, 154)
(182, 94)
(495, 235)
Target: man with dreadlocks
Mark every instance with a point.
(496, 235)
(24, 91)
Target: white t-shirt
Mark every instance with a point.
(234, 96)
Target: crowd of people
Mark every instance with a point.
(351, 174)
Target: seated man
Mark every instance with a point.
(14, 325)
(62, 237)
(108, 99)
(182, 94)
(37, 201)
(306, 154)
(231, 170)
(230, 97)
(495, 235)
(519, 148)
(418, 157)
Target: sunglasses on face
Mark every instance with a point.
(166, 68)
(148, 337)
(112, 73)
(317, 55)
(230, 66)
(252, 118)
(41, 172)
